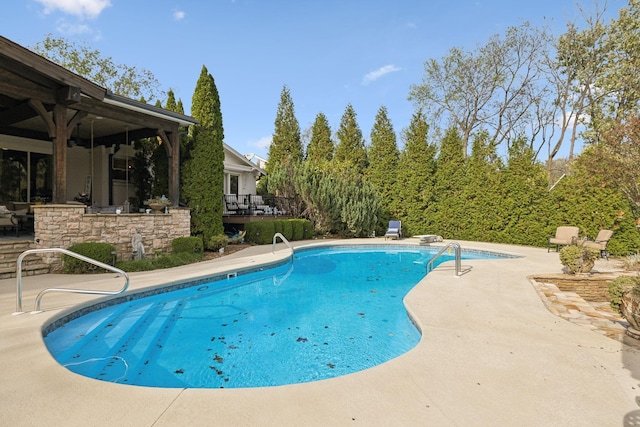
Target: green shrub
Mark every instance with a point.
(632, 262)
(261, 232)
(618, 287)
(284, 227)
(575, 257)
(218, 242)
(191, 245)
(308, 229)
(297, 229)
(99, 251)
(162, 261)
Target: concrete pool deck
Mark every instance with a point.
(491, 354)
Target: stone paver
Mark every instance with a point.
(597, 316)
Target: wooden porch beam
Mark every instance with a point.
(60, 154)
(38, 107)
(79, 115)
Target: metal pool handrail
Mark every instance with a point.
(77, 291)
(457, 249)
(284, 240)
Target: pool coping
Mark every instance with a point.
(491, 354)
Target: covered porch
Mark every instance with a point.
(65, 141)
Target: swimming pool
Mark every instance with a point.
(333, 311)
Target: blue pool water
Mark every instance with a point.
(331, 312)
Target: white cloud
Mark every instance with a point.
(179, 15)
(80, 8)
(72, 29)
(262, 143)
(376, 74)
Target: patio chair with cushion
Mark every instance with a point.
(394, 230)
(600, 242)
(8, 220)
(230, 204)
(565, 236)
(259, 203)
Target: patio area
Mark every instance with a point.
(493, 353)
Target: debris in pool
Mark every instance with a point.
(179, 371)
(301, 339)
(331, 365)
(361, 314)
(218, 359)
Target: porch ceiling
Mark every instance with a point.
(28, 81)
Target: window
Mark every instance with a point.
(233, 184)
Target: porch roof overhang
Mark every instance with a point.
(42, 101)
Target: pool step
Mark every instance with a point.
(158, 341)
(89, 336)
(137, 340)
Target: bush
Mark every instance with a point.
(618, 287)
(191, 245)
(260, 233)
(163, 261)
(99, 251)
(632, 262)
(308, 229)
(297, 229)
(578, 259)
(218, 242)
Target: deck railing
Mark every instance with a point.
(253, 204)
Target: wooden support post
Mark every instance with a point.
(60, 154)
(171, 142)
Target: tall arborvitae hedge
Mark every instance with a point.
(321, 146)
(445, 216)
(383, 163)
(286, 144)
(350, 150)
(414, 182)
(481, 198)
(204, 172)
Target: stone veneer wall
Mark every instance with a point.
(60, 226)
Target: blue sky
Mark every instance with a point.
(328, 52)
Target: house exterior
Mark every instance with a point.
(240, 174)
(62, 138)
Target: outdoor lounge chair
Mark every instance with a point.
(394, 230)
(600, 242)
(259, 204)
(565, 235)
(8, 220)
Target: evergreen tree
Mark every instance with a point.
(350, 152)
(445, 215)
(383, 162)
(483, 216)
(523, 197)
(204, 172)
(414, 183)
(321, 147)
(582, 199)
(340, 203)
(286, 142)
